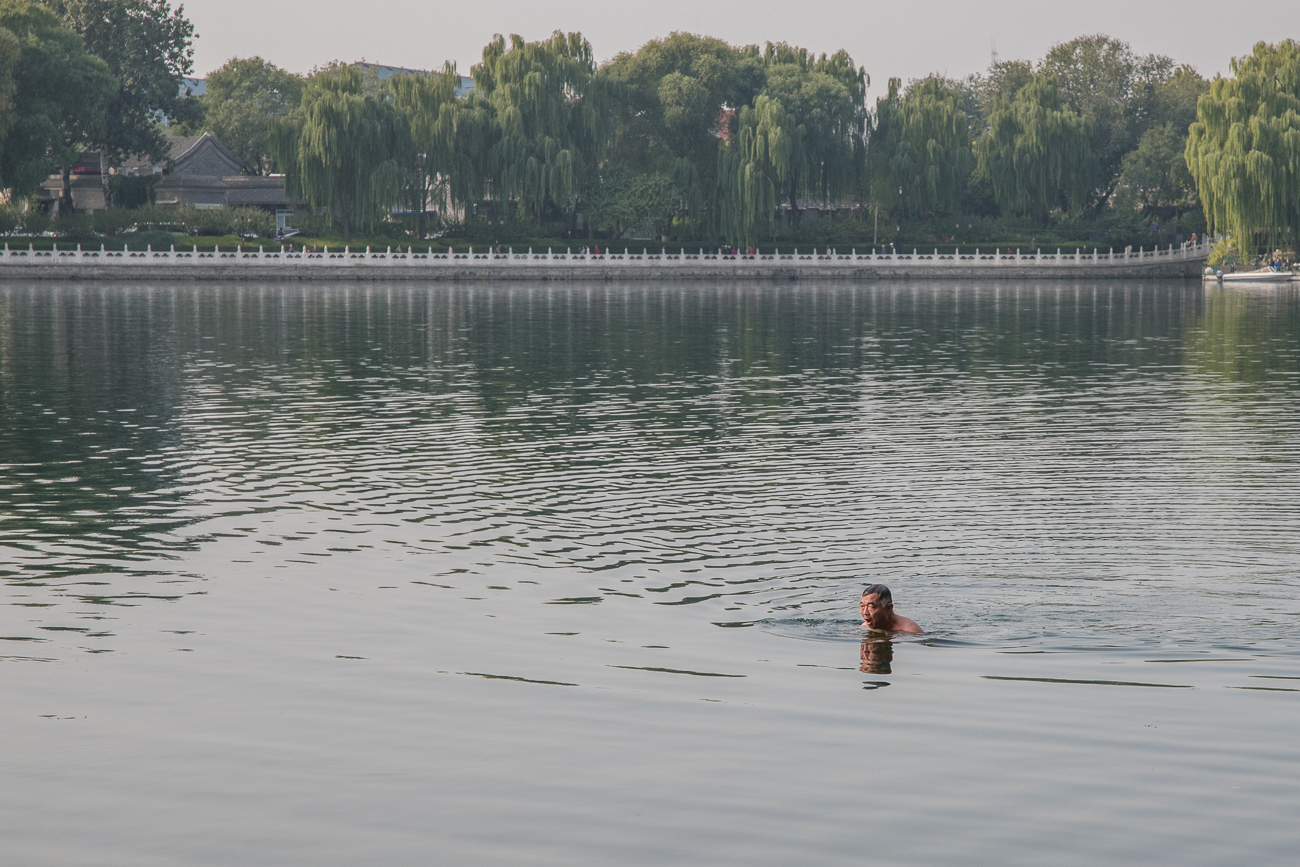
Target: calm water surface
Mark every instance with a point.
(354, 574)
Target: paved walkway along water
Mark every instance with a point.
(1183, 262)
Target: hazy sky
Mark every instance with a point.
(907, 40)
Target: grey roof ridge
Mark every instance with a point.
(199, 140)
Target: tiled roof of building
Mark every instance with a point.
(254, 190)
(177, 147)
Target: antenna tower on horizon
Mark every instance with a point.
(994, 61)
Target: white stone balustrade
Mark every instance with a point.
(335, 258)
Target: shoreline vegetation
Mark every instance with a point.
(686, 142)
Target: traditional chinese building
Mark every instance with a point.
(198, 170)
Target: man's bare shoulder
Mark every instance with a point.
(904, 624)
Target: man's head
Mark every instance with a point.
(877, 607)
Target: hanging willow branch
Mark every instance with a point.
(921, 147)
(1244, 148)
(428, 102)
(1036, 152)
(547, 119)
(826, 97)
(753, 168)
(339, 149)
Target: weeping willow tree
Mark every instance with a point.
(1036, 153)
(428, 102)
(753, 166)
(920, 153)
(548, 123)
(825, 96)
(341, 149)
(472, 134)
(1244, 149)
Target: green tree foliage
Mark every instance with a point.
(1176, 97)
(474, 134)
(753, 168)
(1037, 152)
(1122, 95)
(245, 96)
(1117, 91)
(696, 136)
(1004, 80)
(189, 116)
(825, 98)
(1244, 149)
(621, 200)
(670, 102)
(920, 155)
(1155, 170)
(53, 95)
(439, 125)
(548, 119)
(342, 148)
(148, 48)
(11, 51)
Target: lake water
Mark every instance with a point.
(553, 575)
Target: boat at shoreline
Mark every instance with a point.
(1269, 274)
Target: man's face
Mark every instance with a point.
(874, 612)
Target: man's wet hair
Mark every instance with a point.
(881, 592)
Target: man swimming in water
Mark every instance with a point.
(877, 608)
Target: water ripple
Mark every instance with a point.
(1021, 463)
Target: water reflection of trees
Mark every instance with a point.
(707, 357)
(87, 388)
(103, 379)
(683, 358)
(1245, 335)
